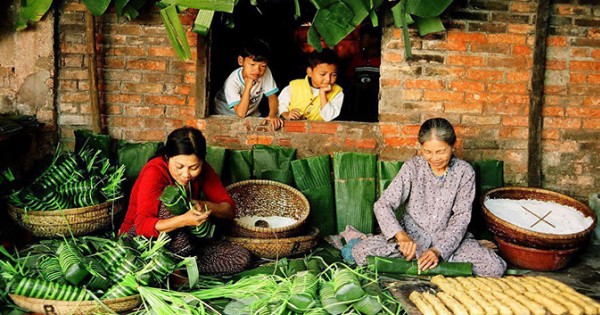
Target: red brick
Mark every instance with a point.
(480, 120)
(114, 63)
(576, 77)
(126, 29)
(516, 88)
(559, 41)
(71, 6)
(591, 101)
(593, 79)
(401, 142)
(466, 86)
(127, 122)
(390, 82)
(144, 135)
(556, 65)
(165, 100)
(161, 51)
(516, 39)
(464, 60)
(424, 84)
(68, 85)
(144, 64)
(517, 99)
(75, 97)
(66, 74)
(294, 126)
(513, 132)
(220, 140)
(73, 48)
(389, 130)
(112, 109)
(163, 122)
(518, 76)
(124, 98)
(548, 111)
(585, 65)
(325, 128)
(504, 109)
(515, 121)
(583, 112)
(140, 111)
(412, 95)
(410, 130)
(287, 142)
(393, 57)
(596, 53)
(254, 139)
(570, 9)
(520, 28)
(485, 75)
(591, 124)
(521, 7)
(180, 111)
(484, 97)
(580, 52)
(445, 45)
(521, 62)
(183, 66)
(125, 51)
(361, 144)
(553, 134)
(463, 107)
(443, 96)
(467, 131)
(190, 78)
(521, 50)
(142, 88)
(466, 37)
(555, 89)
(562, 123)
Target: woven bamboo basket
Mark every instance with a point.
(42, 306)
(520, 236)
(56, 223)
(277, 248)
(267, 198)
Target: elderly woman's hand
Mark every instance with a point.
(429, 259)
(408, 247)
(194, 217)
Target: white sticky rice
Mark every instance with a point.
(565, 219)
(274, 221)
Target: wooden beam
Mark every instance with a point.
(90, 30)
(202, 78)
(536, 102)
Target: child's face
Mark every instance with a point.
(252, 69)
(322, 75)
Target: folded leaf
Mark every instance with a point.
(212, 5)
(175, 32)
(429, 25)
(31, 11)
(427, 8)
(202, 22)
(97, 7)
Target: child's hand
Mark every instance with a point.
(249, 82)
(294, 114)
(325, 88)
(273, 121)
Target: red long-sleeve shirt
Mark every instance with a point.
(152, 181)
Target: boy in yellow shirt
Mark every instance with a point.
(316, 97)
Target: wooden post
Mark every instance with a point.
(536, 102)
(90, 28)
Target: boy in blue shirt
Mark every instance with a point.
(245, 86)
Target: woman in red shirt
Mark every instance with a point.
(182, 161)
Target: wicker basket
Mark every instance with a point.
(75, 307)
(56, 223)
(277, 248)
(520, 236)
(268, 198)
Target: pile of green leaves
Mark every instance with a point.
(72, 180)
(178, 201)
(88, 268)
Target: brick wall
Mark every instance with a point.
(477, 75)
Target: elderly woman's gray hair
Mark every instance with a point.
(437, 129)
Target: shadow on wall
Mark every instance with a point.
(8, 12)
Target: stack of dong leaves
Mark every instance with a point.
(177, 200)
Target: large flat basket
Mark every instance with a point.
(267, 198)
(56, 223)
(43, 306)
(278, 248)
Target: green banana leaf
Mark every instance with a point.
(97, 7)
(354, 183)
(489, 174)
(401, 266)
(239, 165)
(273, 163)
(31, 11)
(86, 139)
(175, 32)
(320, 4)
(429, 25)
(212, 5)
(386, 171)
(297, 11)
(134, 156)
(427, 8)
(313, 178)
(314, 39)
(129, 8)
(203, 21)
(215, 156)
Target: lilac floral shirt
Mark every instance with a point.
(438, 209)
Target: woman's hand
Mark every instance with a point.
(408, 247)
(429, 259)
(194, 217)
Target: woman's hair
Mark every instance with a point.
(437, 129)
(184, 141)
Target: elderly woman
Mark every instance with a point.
(438, 190)
(182, 161)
